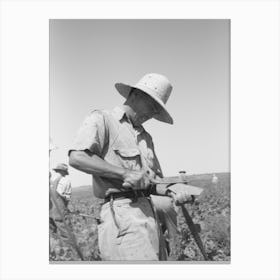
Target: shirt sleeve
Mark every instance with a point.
(64, 187)
(91, 135)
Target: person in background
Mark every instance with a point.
(215, 179)
(63, 185)
(60, 186)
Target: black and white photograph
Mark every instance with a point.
(139, 140)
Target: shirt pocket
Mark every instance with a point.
(123, 217)
(128, 157)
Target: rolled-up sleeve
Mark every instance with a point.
(91, 135)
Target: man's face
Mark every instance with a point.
(144, 107)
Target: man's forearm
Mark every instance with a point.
(95, 165)
(161, 189)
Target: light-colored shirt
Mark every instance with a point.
(110, 135)
(64, 187)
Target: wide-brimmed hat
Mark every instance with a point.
(61, 167)
(156, 86)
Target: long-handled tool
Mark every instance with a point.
(194, 231)
(82, 215)
(176, 185)
(69, 231)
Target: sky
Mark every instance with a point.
(87, 58)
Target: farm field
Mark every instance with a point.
(210, 211)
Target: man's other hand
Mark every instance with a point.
(181, 197)
(137, 180)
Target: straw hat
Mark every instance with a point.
(61, 167)
(156, 86)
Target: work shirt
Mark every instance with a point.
(110, 135)
(64, 187)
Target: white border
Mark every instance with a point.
(254, 137)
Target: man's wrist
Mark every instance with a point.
(168, 192)
(161, 189)
(123, 173)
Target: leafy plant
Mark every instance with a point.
(211, 212)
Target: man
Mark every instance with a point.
(61, 192)
(113, 146)
(62, 183)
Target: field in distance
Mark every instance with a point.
(211, 213)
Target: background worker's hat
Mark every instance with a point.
(61, 167)
(156, 86)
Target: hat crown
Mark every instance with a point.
(158, 84)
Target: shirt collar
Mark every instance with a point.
(119, 113)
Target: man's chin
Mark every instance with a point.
(140, 121)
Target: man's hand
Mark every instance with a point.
(180, 197)
(137, 180)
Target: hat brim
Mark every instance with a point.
(58, 169)
(163, 116)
